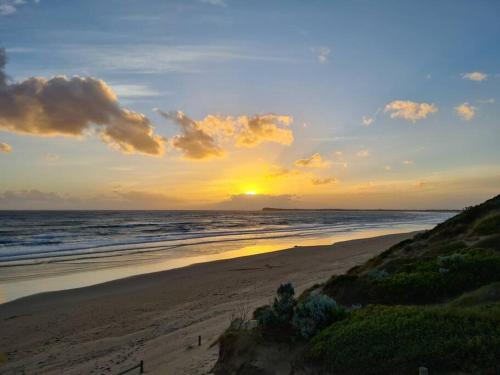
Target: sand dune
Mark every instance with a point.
(157, 317)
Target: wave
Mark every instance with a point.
(98, 234)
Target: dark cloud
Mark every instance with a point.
(63, 106)
(118, 199)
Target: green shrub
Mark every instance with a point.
(484, 295)
(488, 225)
(399, 339)
(315, 313)
(411, 288)
(492, 242)
(285, 302)
(276, 320)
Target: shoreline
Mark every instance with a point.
(157, 317)
(18, 281)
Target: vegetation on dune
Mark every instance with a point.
(399, 339)
(488, 225)
(433, 301)
(286, 319)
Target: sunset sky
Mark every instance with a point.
(208, 104)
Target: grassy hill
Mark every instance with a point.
(432, 301)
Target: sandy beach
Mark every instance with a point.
(106, 328)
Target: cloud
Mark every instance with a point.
(410, 111)
(465, 111)
(264, 128)
(5, 148)
(202, 139)
(407, 162)
(486, 101)
(194, 142)
(30, 198)
(363, 153)
(367, 121)
(72, 107)
(118, 199)
(137, 199)
(388, 168)
(134, 91)
(283, 172)
(420, 184)
(162, 58)
(314, 161)
(324, 181)
(220, 3)
(8, 7)
(51, 157)
(322, 53)
(475, 76)
(257, 202)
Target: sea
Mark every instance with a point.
(43, 251)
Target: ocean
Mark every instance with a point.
(50, 250)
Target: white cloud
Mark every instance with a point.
(407, 162)
(7, 9)
(134, 91)
(486, 101)
(367, 120)
(322, 53)
(220, 3)
(475, 76)
(5, 148)
(387, 167)
(466, 111)
(410, 111)
(154, 58)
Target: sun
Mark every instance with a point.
(250, 193)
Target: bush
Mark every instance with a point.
(315, 313)
(286, 319)
(489, 225)
(399, 339)
(285, 302)
(276, 320)
(430, 281)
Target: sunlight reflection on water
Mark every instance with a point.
(61, 276)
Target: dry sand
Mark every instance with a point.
(157, 317)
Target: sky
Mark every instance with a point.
(232, 104)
